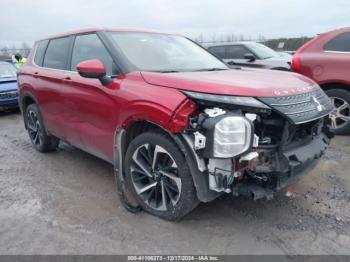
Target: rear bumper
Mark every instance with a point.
(299, 162)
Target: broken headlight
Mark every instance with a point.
(227, 135)
(232, 137)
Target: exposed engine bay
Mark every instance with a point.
(254, 152)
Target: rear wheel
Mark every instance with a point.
(340, 117)
(39, 137)
(158, 176)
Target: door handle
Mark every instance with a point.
(36, 74)
(67, 79)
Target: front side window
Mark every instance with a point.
(236, 52)
(163, 53)
(7, 70)
(340, 43)
(90, 47)
(57, 53)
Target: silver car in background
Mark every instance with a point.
(250, 54)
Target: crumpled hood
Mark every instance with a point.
(239, 82)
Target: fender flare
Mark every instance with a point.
(23, 96)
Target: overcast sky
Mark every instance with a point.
(28, 20)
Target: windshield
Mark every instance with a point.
(164, 53)
(263, 51)
(7, 70)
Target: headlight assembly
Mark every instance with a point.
(225, 99)
(232, 137)
(227, 136)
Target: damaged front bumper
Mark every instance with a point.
(298, 163)
(251, 174)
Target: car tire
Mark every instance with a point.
(340, 118)
(41, 140)
(159, 177)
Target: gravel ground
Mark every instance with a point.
(65, 203)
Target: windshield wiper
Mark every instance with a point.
(210, 69)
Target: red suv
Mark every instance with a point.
(178, 125)
(326, 60)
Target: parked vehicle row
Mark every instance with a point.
(8, 86)
(179, 126)
(250, 54)
(326, 60)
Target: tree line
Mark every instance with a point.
(286, 43)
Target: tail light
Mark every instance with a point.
(296, 63)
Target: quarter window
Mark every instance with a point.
(57, 53)
(90, 47)
(340, 43)
(40, 51)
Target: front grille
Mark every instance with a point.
(8, 95)
(301, 108)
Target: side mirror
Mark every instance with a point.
(94, 68)
(231, 62)
(249, 57)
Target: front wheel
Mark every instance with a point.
(159, 177)
(340, 117)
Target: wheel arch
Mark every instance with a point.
(335, 85)
(123, 136)
(26, 99)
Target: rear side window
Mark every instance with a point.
(236, 52)
(90, 47)
(340, 43)
(40, 51)
(57, 53)
(218, 51)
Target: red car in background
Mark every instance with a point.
(326, 60)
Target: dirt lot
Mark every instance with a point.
(65, 202)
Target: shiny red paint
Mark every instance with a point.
(238, 82)
(324, 67)
(94, 66)
(87, 114)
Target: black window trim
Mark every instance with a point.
(101, 36)
(70, 54)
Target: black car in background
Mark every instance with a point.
(250, 54)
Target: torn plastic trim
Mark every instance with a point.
(125, 197)
(199, 161)
(200, 178)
